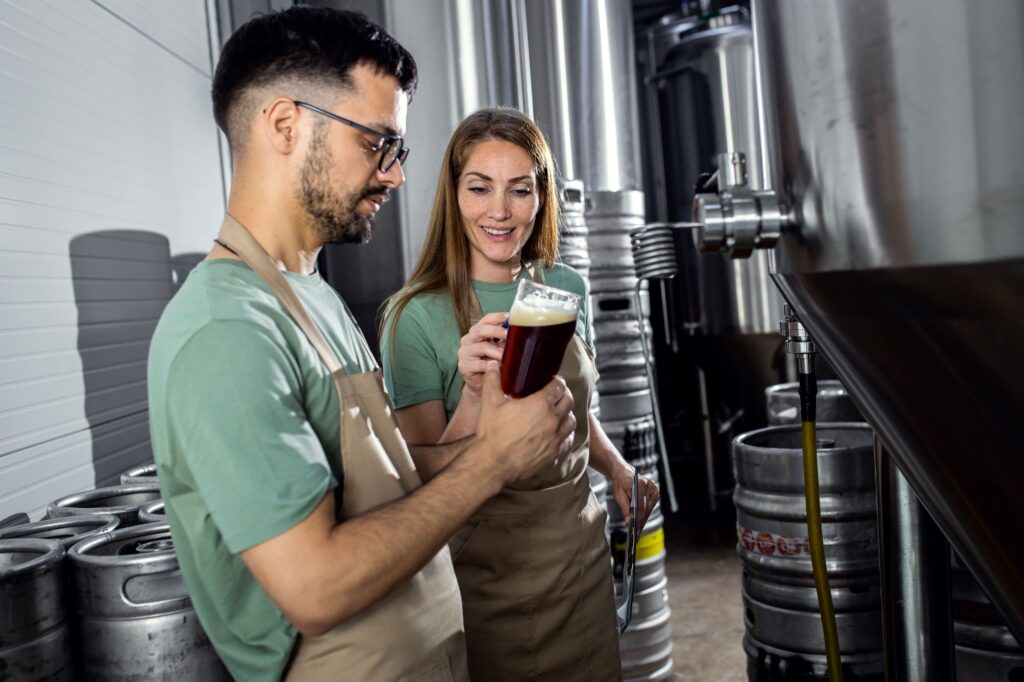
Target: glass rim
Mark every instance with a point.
(547, 289)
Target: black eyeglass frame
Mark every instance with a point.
(387, 142)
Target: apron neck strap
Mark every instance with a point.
(236, 237)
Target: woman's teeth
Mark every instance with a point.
(497, 233)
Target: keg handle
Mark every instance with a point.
(156, 589)
(18, 519)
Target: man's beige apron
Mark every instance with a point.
(414, 633)
(534, 567)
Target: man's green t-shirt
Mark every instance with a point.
(245, 432)
(421, 359)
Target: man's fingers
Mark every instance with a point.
(492, 386)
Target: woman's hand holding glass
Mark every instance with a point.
(647, 494)
(480, 350)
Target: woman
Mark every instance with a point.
(533, 565)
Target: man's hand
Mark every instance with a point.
(519, 437)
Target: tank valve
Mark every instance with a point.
(732, 218)
(798, 341)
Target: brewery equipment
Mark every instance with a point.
(135, 617)
(34, 636)
(784, 633)
(718, 318)
(67, 530)
(896, 162)
(144, 473)
(120, 501)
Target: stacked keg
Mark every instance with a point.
(627, 417)
(121, 501)
(135, 616)
(34, 630)
(625, 393)
(572, 230)
(783, 638)
(94, 592)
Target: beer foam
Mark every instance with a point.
(537, 311)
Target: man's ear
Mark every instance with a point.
(279, 123)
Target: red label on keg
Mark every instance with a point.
(765, 544)
(747, 538)
(789, 546)
(770, 544)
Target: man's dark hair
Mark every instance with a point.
(314, 46)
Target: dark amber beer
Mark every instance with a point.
(541, 323)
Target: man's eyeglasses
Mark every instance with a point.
(391, 146)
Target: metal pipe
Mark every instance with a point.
(917, 613)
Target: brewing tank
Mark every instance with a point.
(701, 103)
(893, 132)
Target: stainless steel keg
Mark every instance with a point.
(34, 639)
(67, 530)
(646, 646)
(144, 473)
(120, 501)
(610, 216)
(834, 403)
(573, 249)
(134, 613)
(784, 638)
(153, 512)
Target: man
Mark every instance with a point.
(310, 548)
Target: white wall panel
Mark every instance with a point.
(110, 183)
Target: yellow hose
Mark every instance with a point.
(828, 616)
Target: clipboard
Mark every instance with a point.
(624, 611)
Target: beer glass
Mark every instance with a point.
(540, 325)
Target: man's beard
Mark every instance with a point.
(334, 216)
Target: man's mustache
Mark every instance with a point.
(381, 191)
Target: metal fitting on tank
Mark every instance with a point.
(799, 343)
(732, 218)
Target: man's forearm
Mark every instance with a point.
(369, 556)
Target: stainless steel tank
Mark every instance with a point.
(120, 501)
(583, 85)
(134, 613)
(783, 627)
(35, 643)
(701, 103)
(894, 132)
(67, 530)
(144, 473)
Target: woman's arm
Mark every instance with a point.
(605, 458)
(425, 425)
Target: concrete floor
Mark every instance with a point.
(704, 595)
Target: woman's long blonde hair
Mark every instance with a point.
(444, 259)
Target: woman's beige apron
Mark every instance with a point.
(414, 633)
(534, 567)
